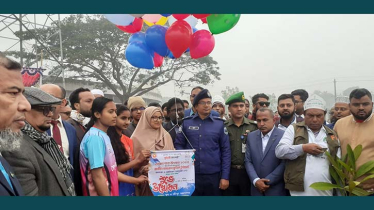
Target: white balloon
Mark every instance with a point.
(137, 15)
(191, 20)
(120, 19)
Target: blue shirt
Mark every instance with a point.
(94, 147)
(209, 138)
(189, 112)
(2, 169)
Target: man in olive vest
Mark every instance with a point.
(303, 145)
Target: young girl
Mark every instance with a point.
(97, 160)
(123, 150)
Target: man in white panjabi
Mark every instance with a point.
(303, 146)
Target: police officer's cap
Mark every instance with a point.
(203, 94)
(237, 97)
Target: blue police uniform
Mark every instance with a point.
(209, 138)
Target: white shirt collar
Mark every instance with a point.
(268, 134)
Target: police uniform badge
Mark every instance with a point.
(180, 129)
(208, 94)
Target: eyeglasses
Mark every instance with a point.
(262, 103)
(44, 109)
(209, 103)
(157, 119)
(137, 109)
(176, 110)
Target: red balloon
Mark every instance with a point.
(178, 38)
(180, 16)
(201, 16)
(204, 20)
(134, 27)
(202, 44)
(158, 60)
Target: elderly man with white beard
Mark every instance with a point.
(13, 106)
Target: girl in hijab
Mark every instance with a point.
(123, 150)
(97, 160)
(150, 135)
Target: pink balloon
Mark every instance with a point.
(158, 60)
(180, 16)
(152, 18)
(202, 44)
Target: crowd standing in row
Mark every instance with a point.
(97, 147)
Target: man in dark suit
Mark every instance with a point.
(39, 165)
(191, 111)
(174, 109)
(264, 169)
(13, 106)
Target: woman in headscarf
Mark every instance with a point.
(150, 135)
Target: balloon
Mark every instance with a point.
(158, 60)
(161, 22)
(138, 55)
(152, 18)
(120, 19)
(180, 16)
(204, 20)
(134, 27)
(219, 23)
(139, 36)
(137, 15)
(171, 55)
(193, 31)
(200, 16)
(191, 20)
(155, 39)
(178, 38)
(202, 44)
(166, 15)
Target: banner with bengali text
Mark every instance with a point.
(172, 172)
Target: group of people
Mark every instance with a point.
(97, 147)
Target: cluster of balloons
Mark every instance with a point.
(147, 50)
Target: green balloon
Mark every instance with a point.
(219, 23)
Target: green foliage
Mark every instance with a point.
(347, 179)
(93, 49)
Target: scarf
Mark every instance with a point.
(78, 117)
(51, 147)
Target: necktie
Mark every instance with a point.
(57, 134)
(2, 169)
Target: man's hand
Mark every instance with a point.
(223, 184)
(312, 148)
(261, 185)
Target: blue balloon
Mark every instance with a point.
(194, 30)
(120, 19)
(155, 39)
(138, 36)
(138, 54)
(170, 55)
(166, 15)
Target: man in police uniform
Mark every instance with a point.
(238, 128)
(208, 136)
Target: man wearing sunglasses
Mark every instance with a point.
(259, 100)
(136, 104)
(40, 166)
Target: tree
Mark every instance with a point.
(229, 91)
(93, 49)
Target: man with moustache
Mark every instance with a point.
(13, 106)
(175, 112)
(40, 166)
(341, 109)
(357, 129)
(259, 100)
(286, 111)
(300, 96)
(81, 102)
(238, 127)
(189, 112)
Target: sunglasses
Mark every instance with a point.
(44, 109)
(262, 103)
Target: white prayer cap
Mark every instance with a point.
(98, 92)
(315, 102)
(342, 99)
(218, 99)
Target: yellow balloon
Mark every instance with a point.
(148, 23)
(161, 22)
